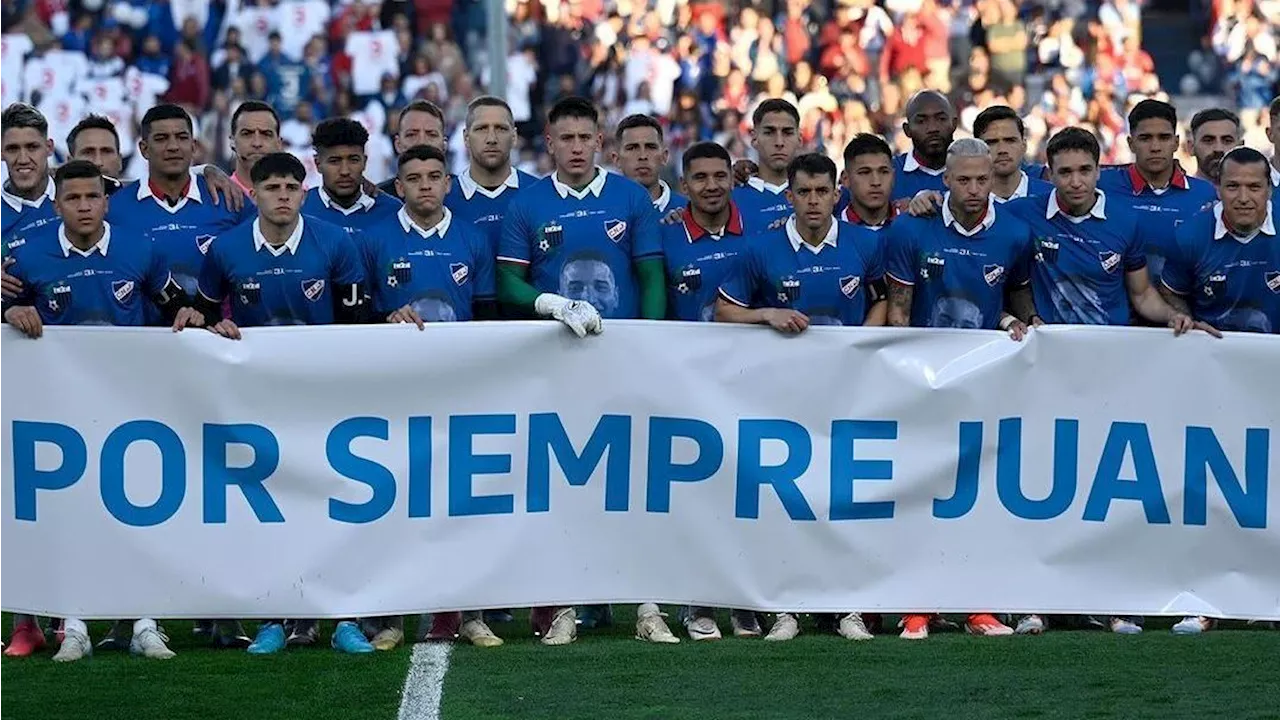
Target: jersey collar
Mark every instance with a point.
(18, 202)
(439, 230)
(595, 187)
(850, 216)
(1140, 184)
(664, 199)
(1098, 211)
(949, 220)
(362, 204)
(100, 246)
(1024, 187)
(762, 186)
(192, 193)
(1275, 176)
(470, 187)
(793, 234)
(1220, 229)
(912, 164)
(290, 244)
(696, 232)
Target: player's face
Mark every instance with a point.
(99, 147)
(708, 184)
(82, 204)
(1153, 143)
(777, 140)
(591, 281)
(574, 143)
(932, 127)
(342, 170)
(169, 148)
(1211, 141)
(814, 199)
(969, 180)
(26, 152)
(423, 183)
(279, 199)
(490, 137)
(641, 155)
(419, 128)
(1244, 189)
(1008, 147)
(255, 135)
(870, 180)
(1074, 174)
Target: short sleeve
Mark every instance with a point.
(347, 269)
(1020, 273)
(647, 238)
(485, 274)
(157, 271)
(875, 257)
(1179, 268)
(900, 254)
(1135, 251)
(739, 282)
(213, 282)
(516, 241)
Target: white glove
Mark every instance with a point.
(581, 317)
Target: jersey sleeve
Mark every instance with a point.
(212, 284)
(647, 239)
(13, 257)
(875, 247)
(517, 234)
(1020, 273)
(900, 254)
(1179, 267)
(739, 282)
(157, 276)
(486, 276)
(1135, 252)
(347, 266)
(248, 212)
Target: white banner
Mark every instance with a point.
(334, 472)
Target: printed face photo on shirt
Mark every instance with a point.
(1244, 319)
(589, 278)
(435, 308)
(955, 312)
(1077, 303)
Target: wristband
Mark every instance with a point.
(1007, 322)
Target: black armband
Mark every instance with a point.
(485, 309)
(876, 290)
(349, 304)
(171, 299)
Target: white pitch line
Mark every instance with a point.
(424, 685)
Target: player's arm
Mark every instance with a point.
(211, 289)
(1022, 305)
(898, 313)
(1177, 279)
(876, 287)
(18, 311)
(221, 187)
(1175, 301)
(1147, 301)
(733, 295)
(514, 288)
(646, 251)
(900, 275)
(348, 276)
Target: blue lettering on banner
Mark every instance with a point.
(968, 466)
(251, 479)
(753, 474)
(847, 469)
(173, 473)
(1066, 445)
(420, 467)
(662, 471)
(548, 437)
(464, 465)
(1248, 503)
(1126, 437)
(27, 479)
(337, 449)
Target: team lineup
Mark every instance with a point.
(957, 233)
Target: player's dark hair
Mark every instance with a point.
(996, 113)
(425, 106)
(1073, 138)
(573, 107)
(166, 111)
(338, 132)
(1153, 110)
(420, 152)
(252, 106)
(638, 120)
(77, 170)
(22, 115)
(486, 101)
(812, 164)
(92, 122)
(1275, 106)
(703, 151)
(866, 144)
(774, 105)
(1243, 155)
(277, 164)
(1213, 115)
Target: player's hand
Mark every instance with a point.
(1037, 321)
(220, 184)
(1018, 330)
(744, 170)
(925, 203)
(786, 321)
(672, 217)
(10, 286)
(1181, 323)
(370, 187)
(1206, 327)
(25, 319)
(226, 329)
(406, 314)
(581, 317)
(188, 317)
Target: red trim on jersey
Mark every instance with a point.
(1139, 183)
(157, 192)
(697, 232)
(852, 217)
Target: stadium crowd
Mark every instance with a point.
(956, 219)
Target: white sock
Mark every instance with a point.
(75, 625)
(647, 609)
(144, 624)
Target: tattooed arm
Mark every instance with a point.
(899, 303)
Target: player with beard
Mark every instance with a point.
(931, 123)
(1214, 132)
(421, 122)
(255, 131)
(868, 178)
(1000, 127)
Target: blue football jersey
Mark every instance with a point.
(1230, 284)
(829, 283)
(1027, 187)
(761, 204)
(584, 244)
(292, 284)
(910, 177)
(182, 231)
(669, 200)
(697, 262)
(365, 213)
(484, 208)
(1079, 265)
(110, 284)
(1159, 211)
(19, 216)
(958, 278)
(440, 271)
